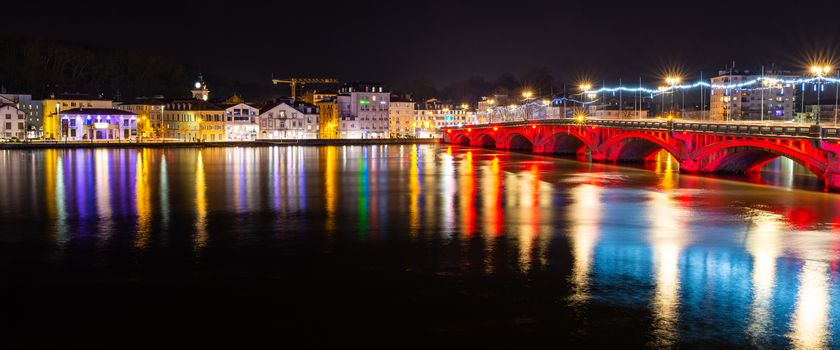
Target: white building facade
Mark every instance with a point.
(363, 111)
(13, 123)
(241, 122)
(767, 100)
(33, 110)
(97, 124)
(289, 120)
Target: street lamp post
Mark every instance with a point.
(672, 83)
(59, 121)
(819, 72)
(661, 90)
(584, 91)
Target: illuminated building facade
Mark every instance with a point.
(401, 116)
(432, 115)
(313, 97)
(746, 103)
(149, 112)
(12, 121)
(424, 123)
(33, 110)
(97, 124)
(193, 120)
(57, 103)
(241, 122)
(289, 120)
(363, 111)
(328, 118)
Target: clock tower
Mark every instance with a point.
(199, 90)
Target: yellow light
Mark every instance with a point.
(580, 118)
(491, 101)
(585, 87)
(465, 106)
(820, 70)
(546, 102)
(527, 94)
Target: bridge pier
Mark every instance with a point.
(832, 171)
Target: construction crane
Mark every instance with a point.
(293, 82)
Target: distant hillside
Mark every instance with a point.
(40, 67)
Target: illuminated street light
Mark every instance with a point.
(672, 81)
(820, 71)
(527, 94)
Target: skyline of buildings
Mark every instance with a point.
(370, 110)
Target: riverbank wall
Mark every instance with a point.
(176, 144)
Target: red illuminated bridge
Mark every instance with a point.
(700, 147)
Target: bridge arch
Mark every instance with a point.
(484, 140)
(748, 156)
(516, 141)
(635, 146)
(564, 143)
(461, 139)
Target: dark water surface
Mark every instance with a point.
(407, 245)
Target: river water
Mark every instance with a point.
(406, 245)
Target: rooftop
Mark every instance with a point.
(298, 105)
(96, 111)
(192, 105)
(76, 96)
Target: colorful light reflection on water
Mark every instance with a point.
(700, 261)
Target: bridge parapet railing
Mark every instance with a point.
(770, 129)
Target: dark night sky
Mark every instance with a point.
(444, 41)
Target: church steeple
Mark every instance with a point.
(200, 91)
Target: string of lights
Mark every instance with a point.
(741, 85)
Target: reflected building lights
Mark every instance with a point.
(809, 327)
(810, 321)
(447, 209)
(163, 193)
(584, 214)
(414, 192)
(763, 242)
(142, 199)
(667, 240)
(364, 195)
(103, 192)
(492, 200)
(331, 187)
(200, 239)
(466, 201)
(527, 183)
(60, 200)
